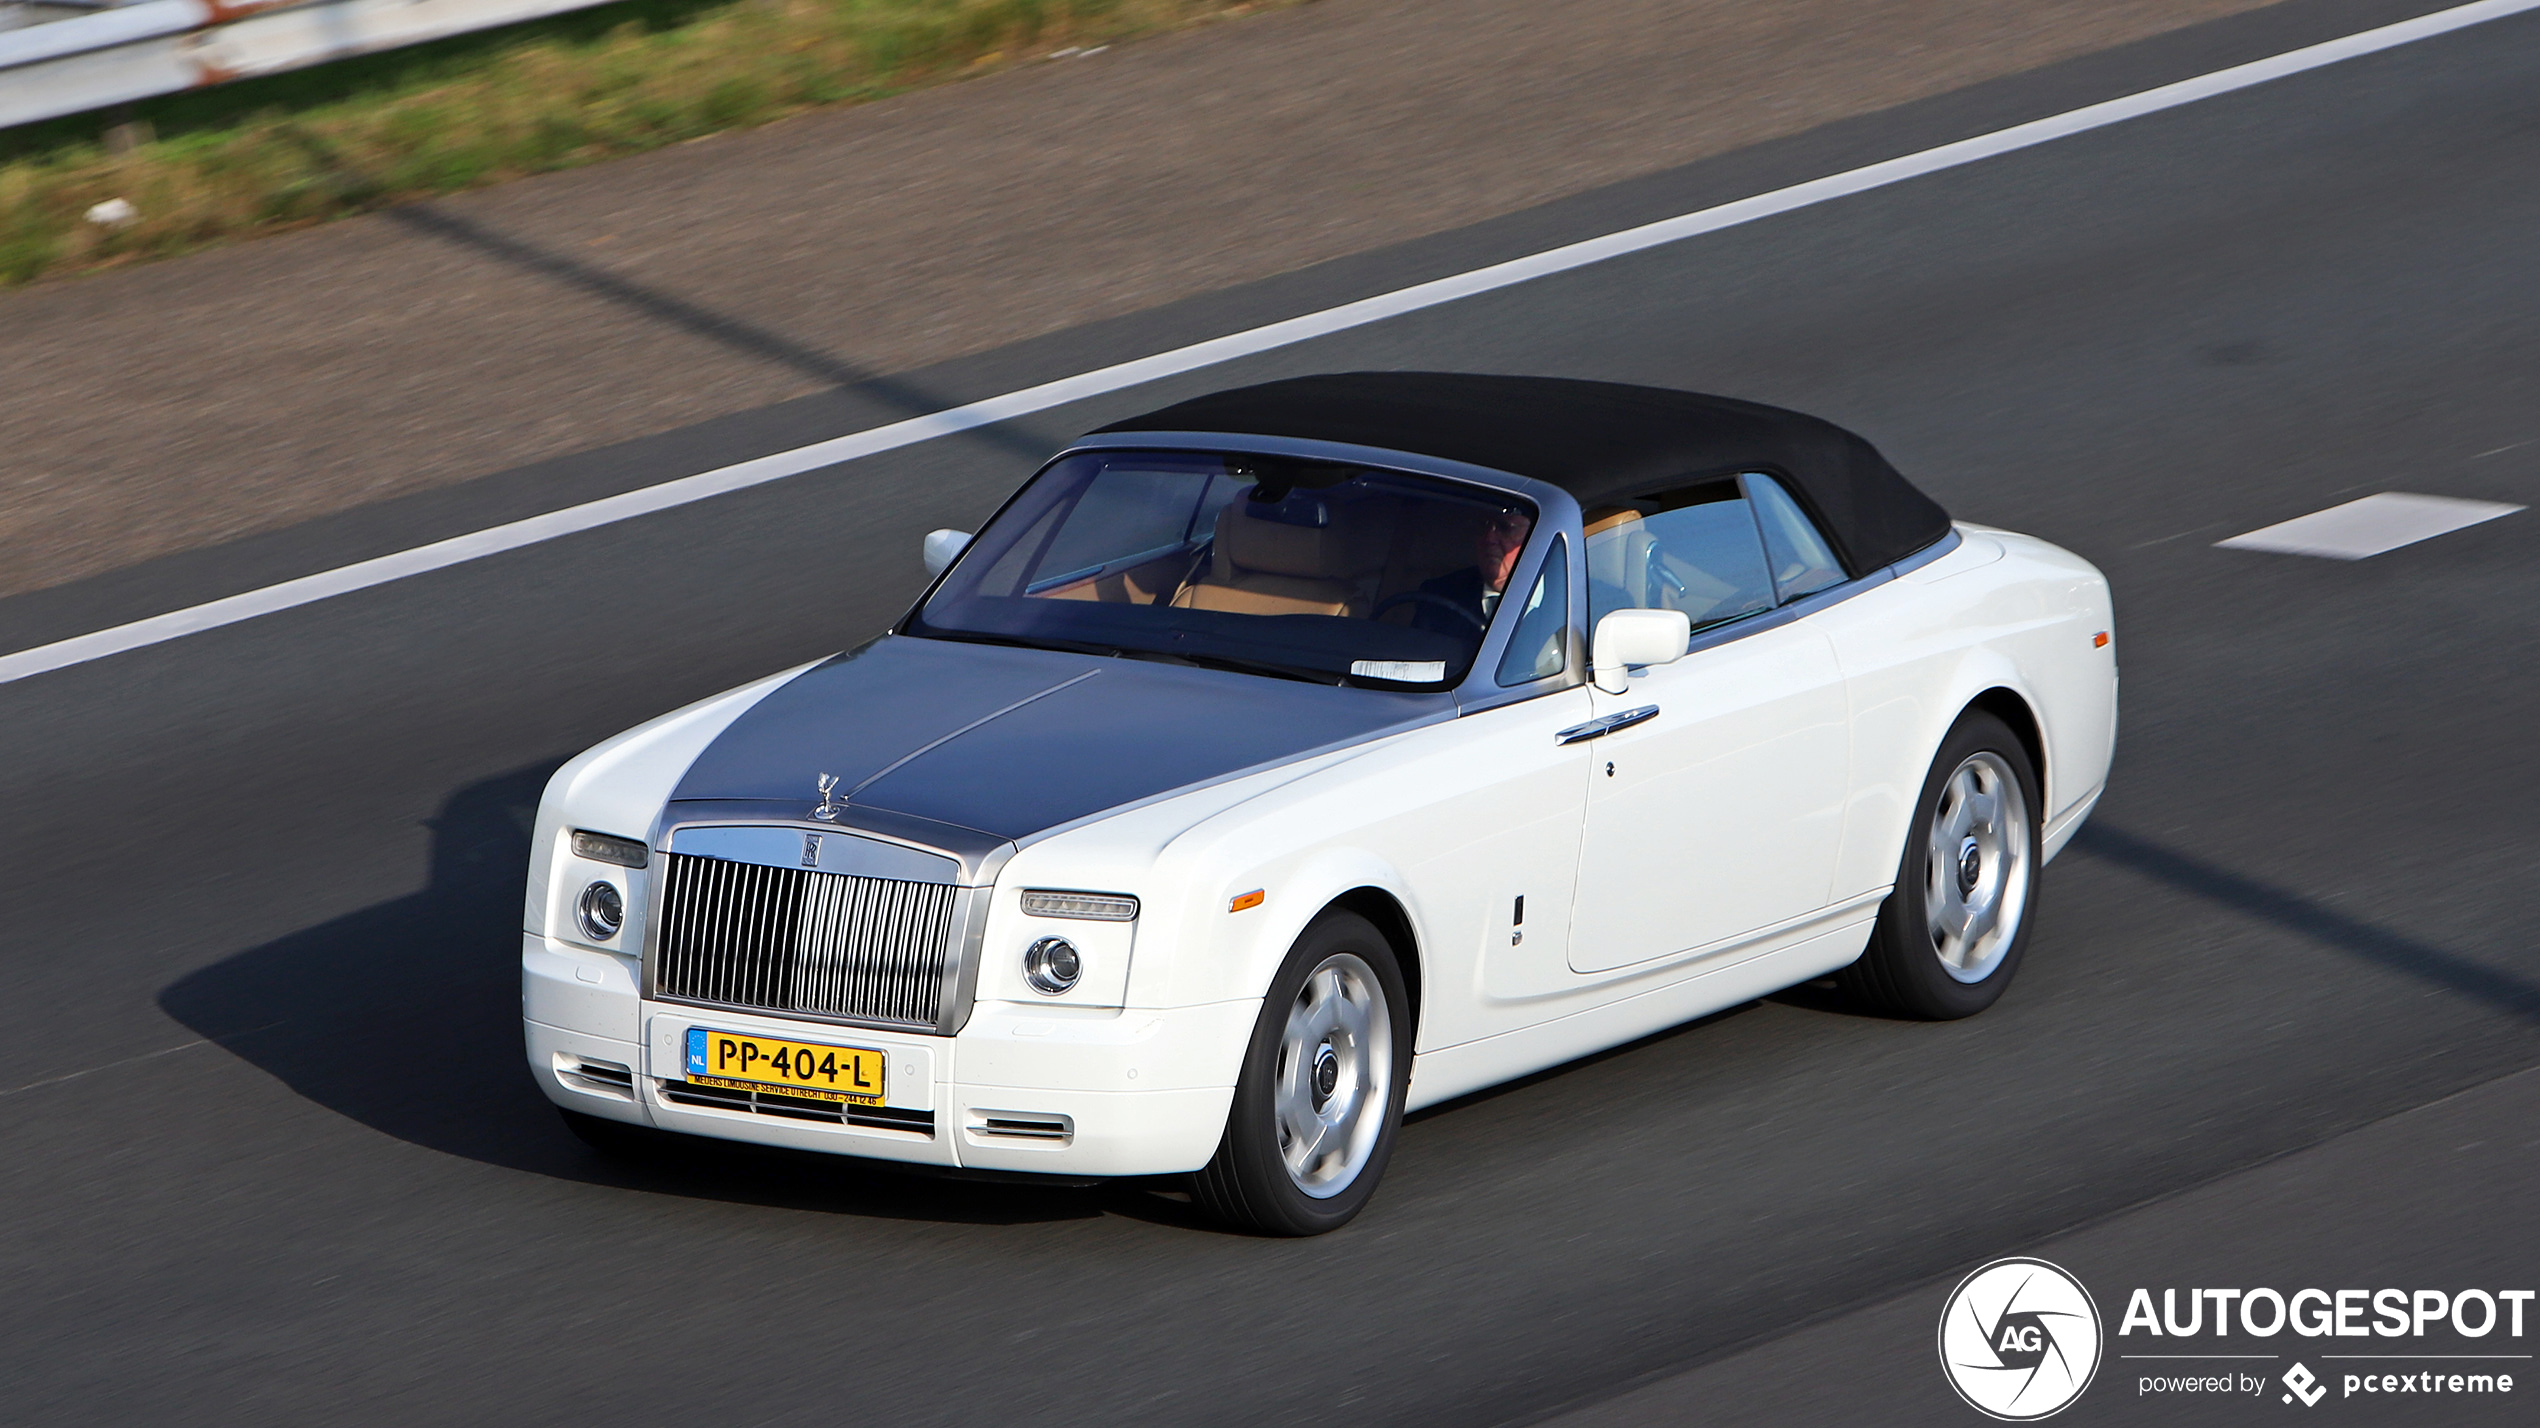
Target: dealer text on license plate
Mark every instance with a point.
(852, 1074)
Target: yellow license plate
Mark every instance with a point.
(852, 1074)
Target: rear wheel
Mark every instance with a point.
(1320, 1096)
(1950, 937)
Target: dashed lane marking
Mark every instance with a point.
(2370, 526)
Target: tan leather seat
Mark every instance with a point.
(1260, 567)
(1618, 543)
(1621, 556)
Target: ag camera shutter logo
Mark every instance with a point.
(2019, 1339)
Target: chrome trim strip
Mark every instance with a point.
(979, 854)
(961, 968)
(776, 845)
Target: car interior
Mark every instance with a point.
(1351, 549)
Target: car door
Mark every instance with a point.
(1716, 813)
(1527, 837)
(1486, 810)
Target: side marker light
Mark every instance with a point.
(1247, 902)
(2099, 641)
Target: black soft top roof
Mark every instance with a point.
(1603, 442)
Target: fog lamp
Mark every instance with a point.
(600, 911)
(1052, 966)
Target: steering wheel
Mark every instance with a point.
(1429, 597)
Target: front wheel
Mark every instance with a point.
(1950, 937)
(1320, 1096)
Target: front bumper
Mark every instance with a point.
(1063, 1091)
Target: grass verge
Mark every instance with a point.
(296, 149)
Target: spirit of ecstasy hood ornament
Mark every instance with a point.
(830, 803)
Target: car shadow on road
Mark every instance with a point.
(2438, 969)
(405, 1017)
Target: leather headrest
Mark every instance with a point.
(1345, 549)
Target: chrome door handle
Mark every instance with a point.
(1598, 728)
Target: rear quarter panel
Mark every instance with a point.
(2002, 611)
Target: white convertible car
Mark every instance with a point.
(1297, 756)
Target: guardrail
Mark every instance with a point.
(162, 46)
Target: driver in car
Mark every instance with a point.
(1467, 598)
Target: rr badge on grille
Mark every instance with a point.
(811, 850)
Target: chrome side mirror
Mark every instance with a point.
(1625, 638)
(941, 548)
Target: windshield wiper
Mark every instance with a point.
(1233, 664)
(1019, 642)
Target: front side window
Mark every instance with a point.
(1802, 565)
(1309, 570)
(1539, 647)
(1718, 550)
(1694, 549)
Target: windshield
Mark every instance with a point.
(1307, 570)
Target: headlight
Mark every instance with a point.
(601, 911)
(1052, 966)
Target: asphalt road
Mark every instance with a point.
(272, 1156)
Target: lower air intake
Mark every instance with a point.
(1046, 1129)
(799, 1108)
(606, 1078)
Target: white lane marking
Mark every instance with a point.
(362, 575)
(2370, 526)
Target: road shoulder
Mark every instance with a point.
(246, 390)
(2416, 1199)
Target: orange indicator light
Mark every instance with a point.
(1247, 902)
(2099, 641)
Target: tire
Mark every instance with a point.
(1319, 1100)
(1951, 935)
(615, 1139)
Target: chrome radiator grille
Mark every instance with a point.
(787, 939)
